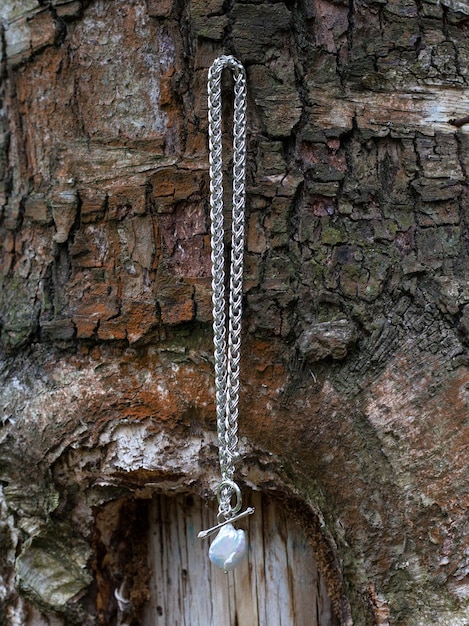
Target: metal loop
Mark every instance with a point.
(224, 500)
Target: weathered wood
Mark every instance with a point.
(277, 584)
(356, 319)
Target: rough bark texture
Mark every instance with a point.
(355, 387)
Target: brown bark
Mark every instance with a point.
(356, 322)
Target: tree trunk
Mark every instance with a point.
(355, 387)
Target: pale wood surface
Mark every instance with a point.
(278, 584)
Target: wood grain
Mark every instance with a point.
(278, 584)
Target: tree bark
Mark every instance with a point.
(355, 386)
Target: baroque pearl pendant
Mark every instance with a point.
(228, 548)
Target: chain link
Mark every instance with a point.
(227, 352)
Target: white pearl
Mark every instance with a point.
(228, 547)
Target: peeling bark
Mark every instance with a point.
(356, 324)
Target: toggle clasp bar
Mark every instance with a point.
(206, 533)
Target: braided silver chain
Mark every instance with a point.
(227, 353)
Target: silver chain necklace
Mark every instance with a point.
(229, 547)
